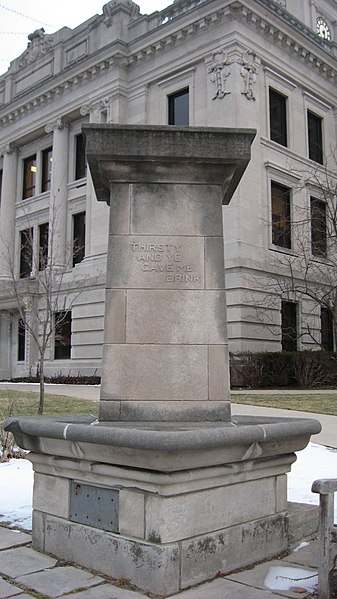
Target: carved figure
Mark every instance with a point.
(220, 72)
(38, 45)
(248, 72)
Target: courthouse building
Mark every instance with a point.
(265, 64)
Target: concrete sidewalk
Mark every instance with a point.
(26, 573)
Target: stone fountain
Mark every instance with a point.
(165, 488)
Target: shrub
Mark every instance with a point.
(246, 370)
(314, 369)
(277, 369)
(273, 370)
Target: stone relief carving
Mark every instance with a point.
(95, 107)
(9, 148)
(38, 45)
(109, 10)
(220, 72)
(248, 71)
(59, 123)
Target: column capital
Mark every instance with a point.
(8, 149)
(59, 123)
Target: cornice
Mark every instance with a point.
(240, 10)
(202, 15)
(57, 90)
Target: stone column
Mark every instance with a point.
(58, 191)
(165, 354)
(7, 211)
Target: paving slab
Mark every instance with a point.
(13, 538)
(293, 576)
(306, 554)
(7, 589)
(55, 582)
(23, 560)
(107, 591)
(222, 588)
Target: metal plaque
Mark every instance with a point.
(94, 506)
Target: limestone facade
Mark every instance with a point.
(264, 64)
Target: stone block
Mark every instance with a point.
(51, 495)
(169, 519)
(148, 566)
(174, 316)
(114, 322)
(303, 522)
(214, 265)
(132, 513)
(155, 372)
(205, 556)
(281, 493)
(218, 372)
(38, 526)
(175, 209)
(155, 262)
(120, 209)
(185, 411)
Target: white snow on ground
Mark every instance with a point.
(280, 578)
(315, 461)
(16, 486)
(16, 483)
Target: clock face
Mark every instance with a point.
(323, 29)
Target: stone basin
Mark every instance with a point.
(163, 446)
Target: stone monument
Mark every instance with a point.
(165, 488)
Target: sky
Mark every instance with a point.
(18, 18)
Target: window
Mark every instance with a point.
(80, 160)
(178, 108)
(62, 337)
(315, 139)
(29, 177)
(21, 340)
(26, 253)
(78, 237)
(318, 227)
(289, 326)
(278, 117)
(46, 169)
(326, 329)
(43, 245)
(281, 224)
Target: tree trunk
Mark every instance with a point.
(41, 378)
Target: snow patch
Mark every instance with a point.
(281, 578)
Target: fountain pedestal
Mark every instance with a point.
(165, 489)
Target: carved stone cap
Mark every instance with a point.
(8, 149)
(166, 154)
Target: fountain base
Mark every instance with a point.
(164, 505)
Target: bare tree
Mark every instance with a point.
(306, 265)
(43, 293)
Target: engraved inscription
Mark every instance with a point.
(166, 258)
